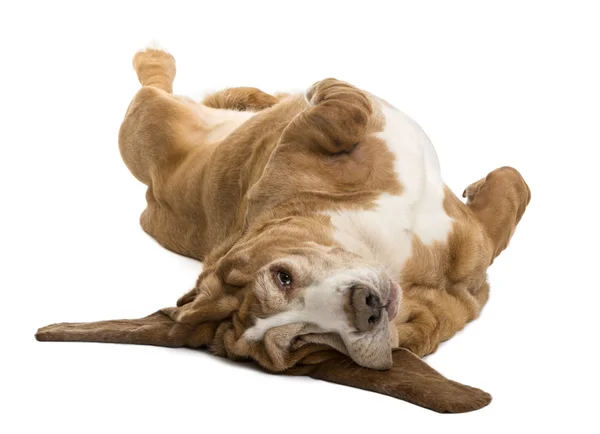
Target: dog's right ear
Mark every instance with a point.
(410, 379)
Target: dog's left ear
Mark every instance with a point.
(410, 379)
(192, 323)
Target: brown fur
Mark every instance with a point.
(239, 201)
(240, 98)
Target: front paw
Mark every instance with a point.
(471, 191)
(501, 179)
(339, 113)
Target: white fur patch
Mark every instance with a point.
(153, 44)
(222, 122)
(323, 305)
(385, 234)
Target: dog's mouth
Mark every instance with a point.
(371, 348)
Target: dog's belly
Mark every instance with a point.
(385, 234)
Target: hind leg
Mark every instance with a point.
(159, 128)
(165, 142)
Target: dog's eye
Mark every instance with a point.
(283, 278)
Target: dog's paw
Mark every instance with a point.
(471, 191)
(501, 179)
(154, 60)
(155, 45)
(338, 114)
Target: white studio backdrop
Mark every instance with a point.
(491, 83)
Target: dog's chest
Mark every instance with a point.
(385, 233)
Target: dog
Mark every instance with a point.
(329, 240)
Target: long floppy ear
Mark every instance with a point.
(410, 379)
(193, 323)
(498, 202)
(158, 329)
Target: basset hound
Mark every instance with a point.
(329, 240)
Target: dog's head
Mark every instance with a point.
(286, 280)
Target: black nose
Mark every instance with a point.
(366, 308)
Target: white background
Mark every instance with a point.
(513, 84)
